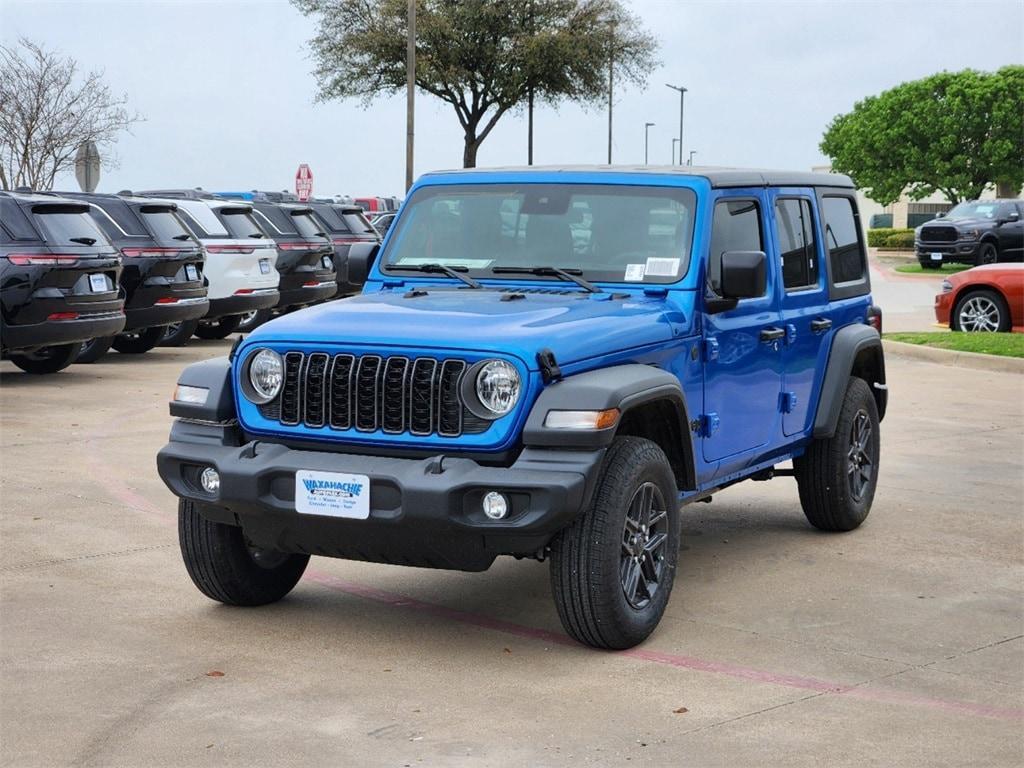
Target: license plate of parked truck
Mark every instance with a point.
(545, 364)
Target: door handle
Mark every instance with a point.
(770, 334)
(820, 325)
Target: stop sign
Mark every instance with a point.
(304, 183)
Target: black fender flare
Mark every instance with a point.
(622, 386)
(215, 376)
(848, 344)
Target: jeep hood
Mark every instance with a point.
(575, 326)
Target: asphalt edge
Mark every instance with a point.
(956, 359)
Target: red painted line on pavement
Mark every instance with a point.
(670, 659)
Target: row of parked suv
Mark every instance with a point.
(84, 272)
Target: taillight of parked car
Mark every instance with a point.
(874, 318)
(230, 248)
(36, 260)
(300, 246)
(150, 252)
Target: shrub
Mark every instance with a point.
(900, 239)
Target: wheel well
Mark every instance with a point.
(870, 366)
(971, 287)
(663, 422)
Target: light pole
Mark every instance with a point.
(647, 127)
(689, 160)
(682, 96)
(410, 93)
(674, 142)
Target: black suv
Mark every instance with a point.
(162, 270)
(304, 258)
(346, 226)
(58, 281)
(977, 232)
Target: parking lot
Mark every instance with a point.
(898, 644)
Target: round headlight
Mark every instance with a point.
(266, 374)
(497, 387)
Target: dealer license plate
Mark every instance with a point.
(191, 273)
(265, 266)
(98, 283)
(936, 257)
(332, 494)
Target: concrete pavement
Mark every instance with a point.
(900, 644)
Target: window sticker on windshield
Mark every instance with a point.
(413, 261)
(662, 267)
(634, 273)
(985, 210)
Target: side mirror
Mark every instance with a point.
(360, 261)
(940, 215)
(744, 274)
(1011, 217)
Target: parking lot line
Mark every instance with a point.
(875, 695)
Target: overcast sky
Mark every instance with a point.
(229, 100)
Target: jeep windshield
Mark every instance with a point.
(609, 233)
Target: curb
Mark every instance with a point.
(956, 359)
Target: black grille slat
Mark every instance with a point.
(449, 403)
(367, 393)
(940, 234)
(315, 389)
(340, 398)
(291, 393)
(392, 411)
(421, 396)
(397, 395)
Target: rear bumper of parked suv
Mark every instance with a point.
(423, 511)
(240, 303)
(54, 332)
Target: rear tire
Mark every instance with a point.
(612, 570)
(220, 328)
(47, 359)
(94, 349)
(250, 321)
(139, 342)
(178, 334)
(226, 568)
(837, 475)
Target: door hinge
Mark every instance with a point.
(788, 404)
(706, 425)
(710, 349)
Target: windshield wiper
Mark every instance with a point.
(572, 275)
(257, 235)
(440, 269)
(83, 240)
(182, 237)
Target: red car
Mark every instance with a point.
(986, 298)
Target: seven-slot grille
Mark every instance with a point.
(397, 394)
(941, 234)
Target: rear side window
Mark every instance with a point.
(277, 218)
(736, 226)
(200, 219)
(240, 223)
(122, 215)
(842, 240)
(797, 247)
(306, 226)
(67, 226)
(15, 225)
(358, 224)
(330, 218)
(164, 224)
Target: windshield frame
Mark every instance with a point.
(684, 195)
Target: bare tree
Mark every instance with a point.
(47, 111)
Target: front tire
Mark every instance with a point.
(47, 359)
(612, 570)
(226, 568)
(220, 328)
(139, 342)
(981, 311)
(988, 254)
(837, 475)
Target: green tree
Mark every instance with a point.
(481, 56)
(955, 132)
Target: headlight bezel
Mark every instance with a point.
(256, 394)
(475, 401)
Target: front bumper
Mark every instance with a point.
(962, 252)
(943, 308)
(424, 512)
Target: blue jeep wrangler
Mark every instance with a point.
(544, 363)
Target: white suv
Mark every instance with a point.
(241, 266)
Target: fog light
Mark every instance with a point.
(210, 480)
(495, 505)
